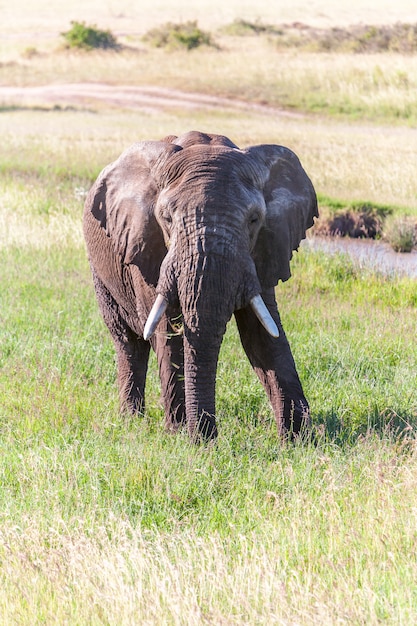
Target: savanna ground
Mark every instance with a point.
(109, 520)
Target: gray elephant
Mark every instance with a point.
(181, 234)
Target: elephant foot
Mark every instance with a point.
(204, 429)
(293, 419)
(132, 406)
(175, 420)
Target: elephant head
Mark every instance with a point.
(202, 229)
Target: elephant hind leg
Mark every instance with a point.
(132, 351)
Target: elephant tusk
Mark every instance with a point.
(157, 311)
(264, 316)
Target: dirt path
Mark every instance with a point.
(146, 98)
(151, 99)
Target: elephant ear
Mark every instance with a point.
(123, 201)
(291, 206)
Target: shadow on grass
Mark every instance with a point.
(337, 430)
(333, 426)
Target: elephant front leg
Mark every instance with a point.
(169, 350)
(132, 364)
(132, 351)
(273, 362)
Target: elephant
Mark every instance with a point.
(182, 233)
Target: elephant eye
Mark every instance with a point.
(167, 217)
(254, 218)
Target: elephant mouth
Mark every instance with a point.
(258, 305)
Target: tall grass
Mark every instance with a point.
(293, 548)
(348, 162)
(106, 519)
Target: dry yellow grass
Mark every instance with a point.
(26, 23)
(127, 16)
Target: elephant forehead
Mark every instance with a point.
(206, 161)
(207, 195)
(208, 174)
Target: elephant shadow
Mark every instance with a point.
(331, 427)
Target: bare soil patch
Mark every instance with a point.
(147, 98)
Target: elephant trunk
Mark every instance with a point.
(210, 288)
(200, 366)
(209, 283)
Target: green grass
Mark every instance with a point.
(105, 518)
(401, 233)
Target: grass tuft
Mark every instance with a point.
(241, 28)
(401, 233)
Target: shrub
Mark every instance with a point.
(30, 52)
(89, 37)
(401, 233)
(360, 38)
(173, 36)
(355, 219)
(241, 28)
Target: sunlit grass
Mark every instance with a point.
(401, 233)
(106, 519)
(110, 519)
(39, 216)
(348, 162)
(378, 87)
(300, 560)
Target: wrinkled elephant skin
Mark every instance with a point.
(182, 234)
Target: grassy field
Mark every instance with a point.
(109, 520)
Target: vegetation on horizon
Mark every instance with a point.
(357, 38)
(185, 35)
(378, 87)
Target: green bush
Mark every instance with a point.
(401, 233)
(173, 36)
(89, 37)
